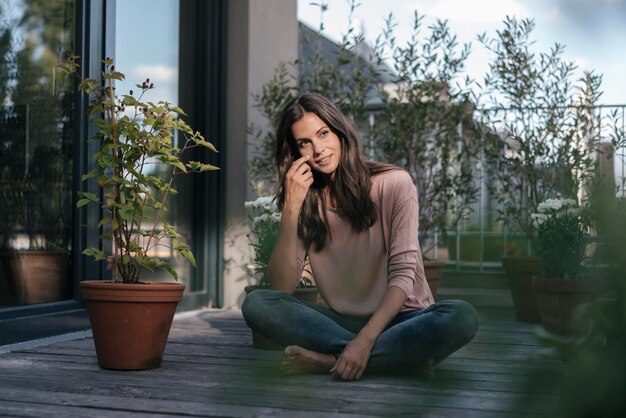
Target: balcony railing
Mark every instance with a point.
(479, 241)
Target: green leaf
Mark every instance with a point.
(189, 256)
(104, 221)
(90, 174)
(206, 144)
(96, 253)
(116, 75)
(82, 202)
(178, 110)
(127, 212)
(175, 162)
(129, 100)
(86, 83)
(171, 271)
(95, 110)
(89, 195)
(200, 167)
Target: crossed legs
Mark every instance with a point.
(314, 336)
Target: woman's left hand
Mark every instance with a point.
(353, 360)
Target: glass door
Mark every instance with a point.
(146, 50)
(36, 152)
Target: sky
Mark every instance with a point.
(592, 31)
(148, 47)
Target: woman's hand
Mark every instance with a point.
(353, 360)
(298, 180)
(282, 266)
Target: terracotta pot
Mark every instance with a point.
(520, 271)
(433, 269)
(309, 294)
(33, 276)
(130, 322)
(558, 300)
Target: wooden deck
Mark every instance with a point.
(210, 369)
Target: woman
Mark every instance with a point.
(358, 224)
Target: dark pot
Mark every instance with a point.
(309, 294)
(520, 271)
(33, 276)
(433, 269)
(558, 301)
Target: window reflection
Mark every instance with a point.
(35, 151)
(146, 47)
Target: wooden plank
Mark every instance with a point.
(119, 406)
(214, 370)
(156, 386)
(224, 375)
(485, 366)
(229, 376)
(473, 350)
(337, 397)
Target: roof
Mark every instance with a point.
(313, 44)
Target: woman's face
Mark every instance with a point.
(315, 139)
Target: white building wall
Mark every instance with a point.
(260, 35)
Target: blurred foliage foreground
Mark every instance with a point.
(594, 381)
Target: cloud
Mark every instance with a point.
(156, 73)
(582, 63)
(553, 14)
(592, 15)
(472, 12)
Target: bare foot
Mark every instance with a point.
(300, 360)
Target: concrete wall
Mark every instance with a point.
(260, 35)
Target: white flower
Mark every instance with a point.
(265, 202)
(266, 217)
(261, 218)
(555, 204)
(538, 218)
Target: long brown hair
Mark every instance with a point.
(351, 183)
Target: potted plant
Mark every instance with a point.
(12, 185)
(35, 222)
(265, 221)
(562, 242)
(545, 142)
(34, 213)
(36, 266)
(131, 318)
(598, 359)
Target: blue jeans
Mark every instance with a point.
(411, 339)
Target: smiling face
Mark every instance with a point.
(315, 139)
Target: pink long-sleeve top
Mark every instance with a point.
(354, 269)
